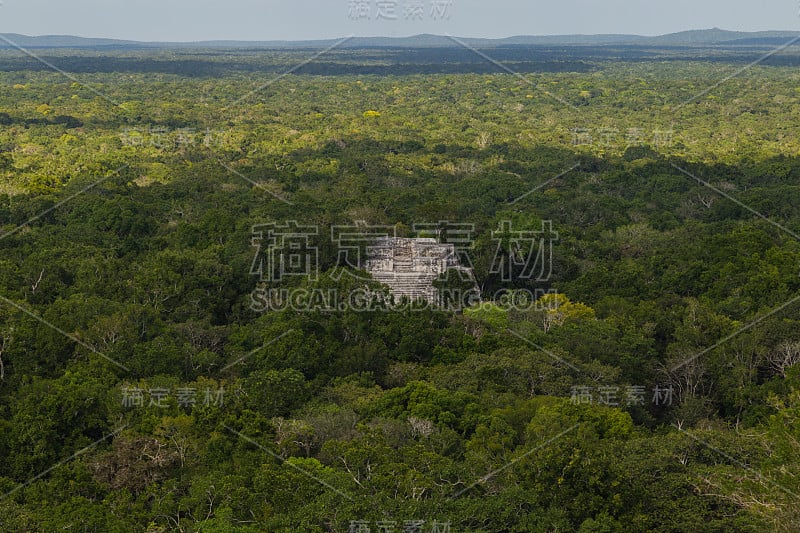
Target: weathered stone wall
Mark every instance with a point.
(410, 266)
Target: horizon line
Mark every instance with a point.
(398, 37)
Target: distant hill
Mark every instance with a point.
(712, 37)
(60, 41)
(718, 36)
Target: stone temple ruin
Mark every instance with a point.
(410, 266)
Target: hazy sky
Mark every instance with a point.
(187, 20)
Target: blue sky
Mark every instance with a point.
(188, 20)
